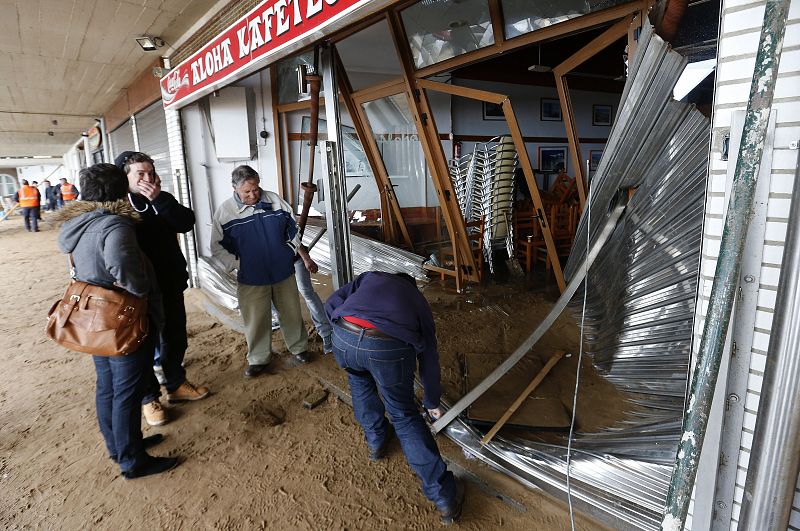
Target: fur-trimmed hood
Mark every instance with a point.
(120, 207)
(83, 217)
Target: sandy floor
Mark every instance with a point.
(252, 456)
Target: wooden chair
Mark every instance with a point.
(563, 221)
(475, 238)
(563, 191)
(528, 236)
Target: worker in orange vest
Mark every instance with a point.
(66, 192)
(29, 199)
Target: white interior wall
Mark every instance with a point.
(210, 179)
(526, 100)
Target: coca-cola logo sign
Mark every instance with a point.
(263, 32)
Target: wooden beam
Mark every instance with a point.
(521, 398)
(598, 44)
(561, 29)
(273, 85)
(376, 92)
(496, 15)
(434, 154)
(464, 92)
(527, 169)
(365, 134)
(284, 137)
(572, 137)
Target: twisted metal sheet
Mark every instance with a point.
(640, 305)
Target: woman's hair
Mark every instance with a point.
(103, 182)
(134, 158)
(243, 173)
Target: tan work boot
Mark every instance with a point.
(154, 413)
(187, 392)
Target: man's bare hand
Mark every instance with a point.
(311, 265)
(435, 413)
(150, 190)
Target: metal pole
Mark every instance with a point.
(772, 472)
(333, 159)
(727, 272)
(322, 232)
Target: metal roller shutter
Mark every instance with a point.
(121, 139)
(151, 128)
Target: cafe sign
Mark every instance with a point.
(268, 28)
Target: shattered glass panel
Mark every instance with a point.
(441, 29)
(524, 16)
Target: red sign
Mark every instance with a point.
(265, 30)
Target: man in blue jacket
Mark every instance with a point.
(255, 233)
(382, 325)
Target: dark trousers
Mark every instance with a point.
(171, 348)
(387, 366)
(120, 382)
(31, 215)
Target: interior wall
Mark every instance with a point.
(468, 117)
(210, 178)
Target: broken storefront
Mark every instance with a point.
(476, 138)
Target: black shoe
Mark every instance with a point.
(376, 454)
(151, 465)
(255, 370)
(452, 511)
(303, 357)
(147, 442)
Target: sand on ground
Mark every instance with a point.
(251, 456)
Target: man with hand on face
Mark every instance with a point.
(255, 233)
(163, 218)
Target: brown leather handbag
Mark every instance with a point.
(97, 320)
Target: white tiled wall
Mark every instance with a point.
(740, 30)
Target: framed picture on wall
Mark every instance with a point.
(594, 158)
(601, 114)
(493, 111)
(550, 110)
(552, 159)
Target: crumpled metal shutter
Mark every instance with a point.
(121, 139)
(151, 128)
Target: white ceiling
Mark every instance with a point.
(69, 60)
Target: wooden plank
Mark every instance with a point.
(434, 154)
(572, 137)
(464, 92)
(527, 169)
(521, 398)
(367, 137)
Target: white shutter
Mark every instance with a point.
(151, 128)
(121, 139)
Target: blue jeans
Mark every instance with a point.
(171, 348)
(314, 303)
(120, 381)
(387, 366)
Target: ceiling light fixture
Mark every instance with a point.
(539, 67)
(150, 43)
